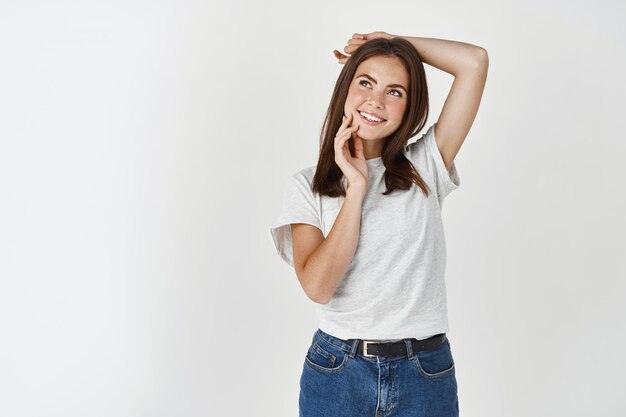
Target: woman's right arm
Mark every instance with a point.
(320, 263)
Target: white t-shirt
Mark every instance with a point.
(394, 287)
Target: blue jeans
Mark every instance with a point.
(337, 381)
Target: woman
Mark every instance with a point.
(363, 230)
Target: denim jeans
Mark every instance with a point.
(337, 381)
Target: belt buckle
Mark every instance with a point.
(365, 343)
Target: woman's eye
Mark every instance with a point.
(399, 94)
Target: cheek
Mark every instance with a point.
(356, 97)
(397, 110)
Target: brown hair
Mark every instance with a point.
(399, 172)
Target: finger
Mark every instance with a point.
(341, 145)
(350, 124)
(350, 49)
(345, 135)
(358, 36)
(347, 132)
(343, 130)
(339, 54)
(341, 139)
(342, 127)
(353, 124)
(356, 42)
(353, 130)
(347, 120)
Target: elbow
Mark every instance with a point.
(317, 296)
(312, 286)
(321, 300)
(482, 58)
(315, 292)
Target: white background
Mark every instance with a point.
(144, 147)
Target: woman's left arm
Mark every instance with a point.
(452, 57)
(467, 63)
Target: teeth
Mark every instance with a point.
(370, 117)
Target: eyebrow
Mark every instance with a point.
(374, 81)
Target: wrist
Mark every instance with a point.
(356, 192)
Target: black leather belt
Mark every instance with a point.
(372, 348)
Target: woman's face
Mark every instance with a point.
(379, 88)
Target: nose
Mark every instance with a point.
(375, 100)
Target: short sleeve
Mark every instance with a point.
(426, 153)
(299, 206)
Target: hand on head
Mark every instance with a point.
(357, 40)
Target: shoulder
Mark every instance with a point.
(300, 183)
(304, 175)
(416, 151)
(419, 143)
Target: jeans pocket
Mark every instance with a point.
(436, 363)
(325, 357)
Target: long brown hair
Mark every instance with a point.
(399, 172)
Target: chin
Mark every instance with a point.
(371, 137)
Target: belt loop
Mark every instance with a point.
(355, 347)
(409, 348)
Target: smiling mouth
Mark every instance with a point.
(372, 120)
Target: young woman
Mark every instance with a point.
(364, 233)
